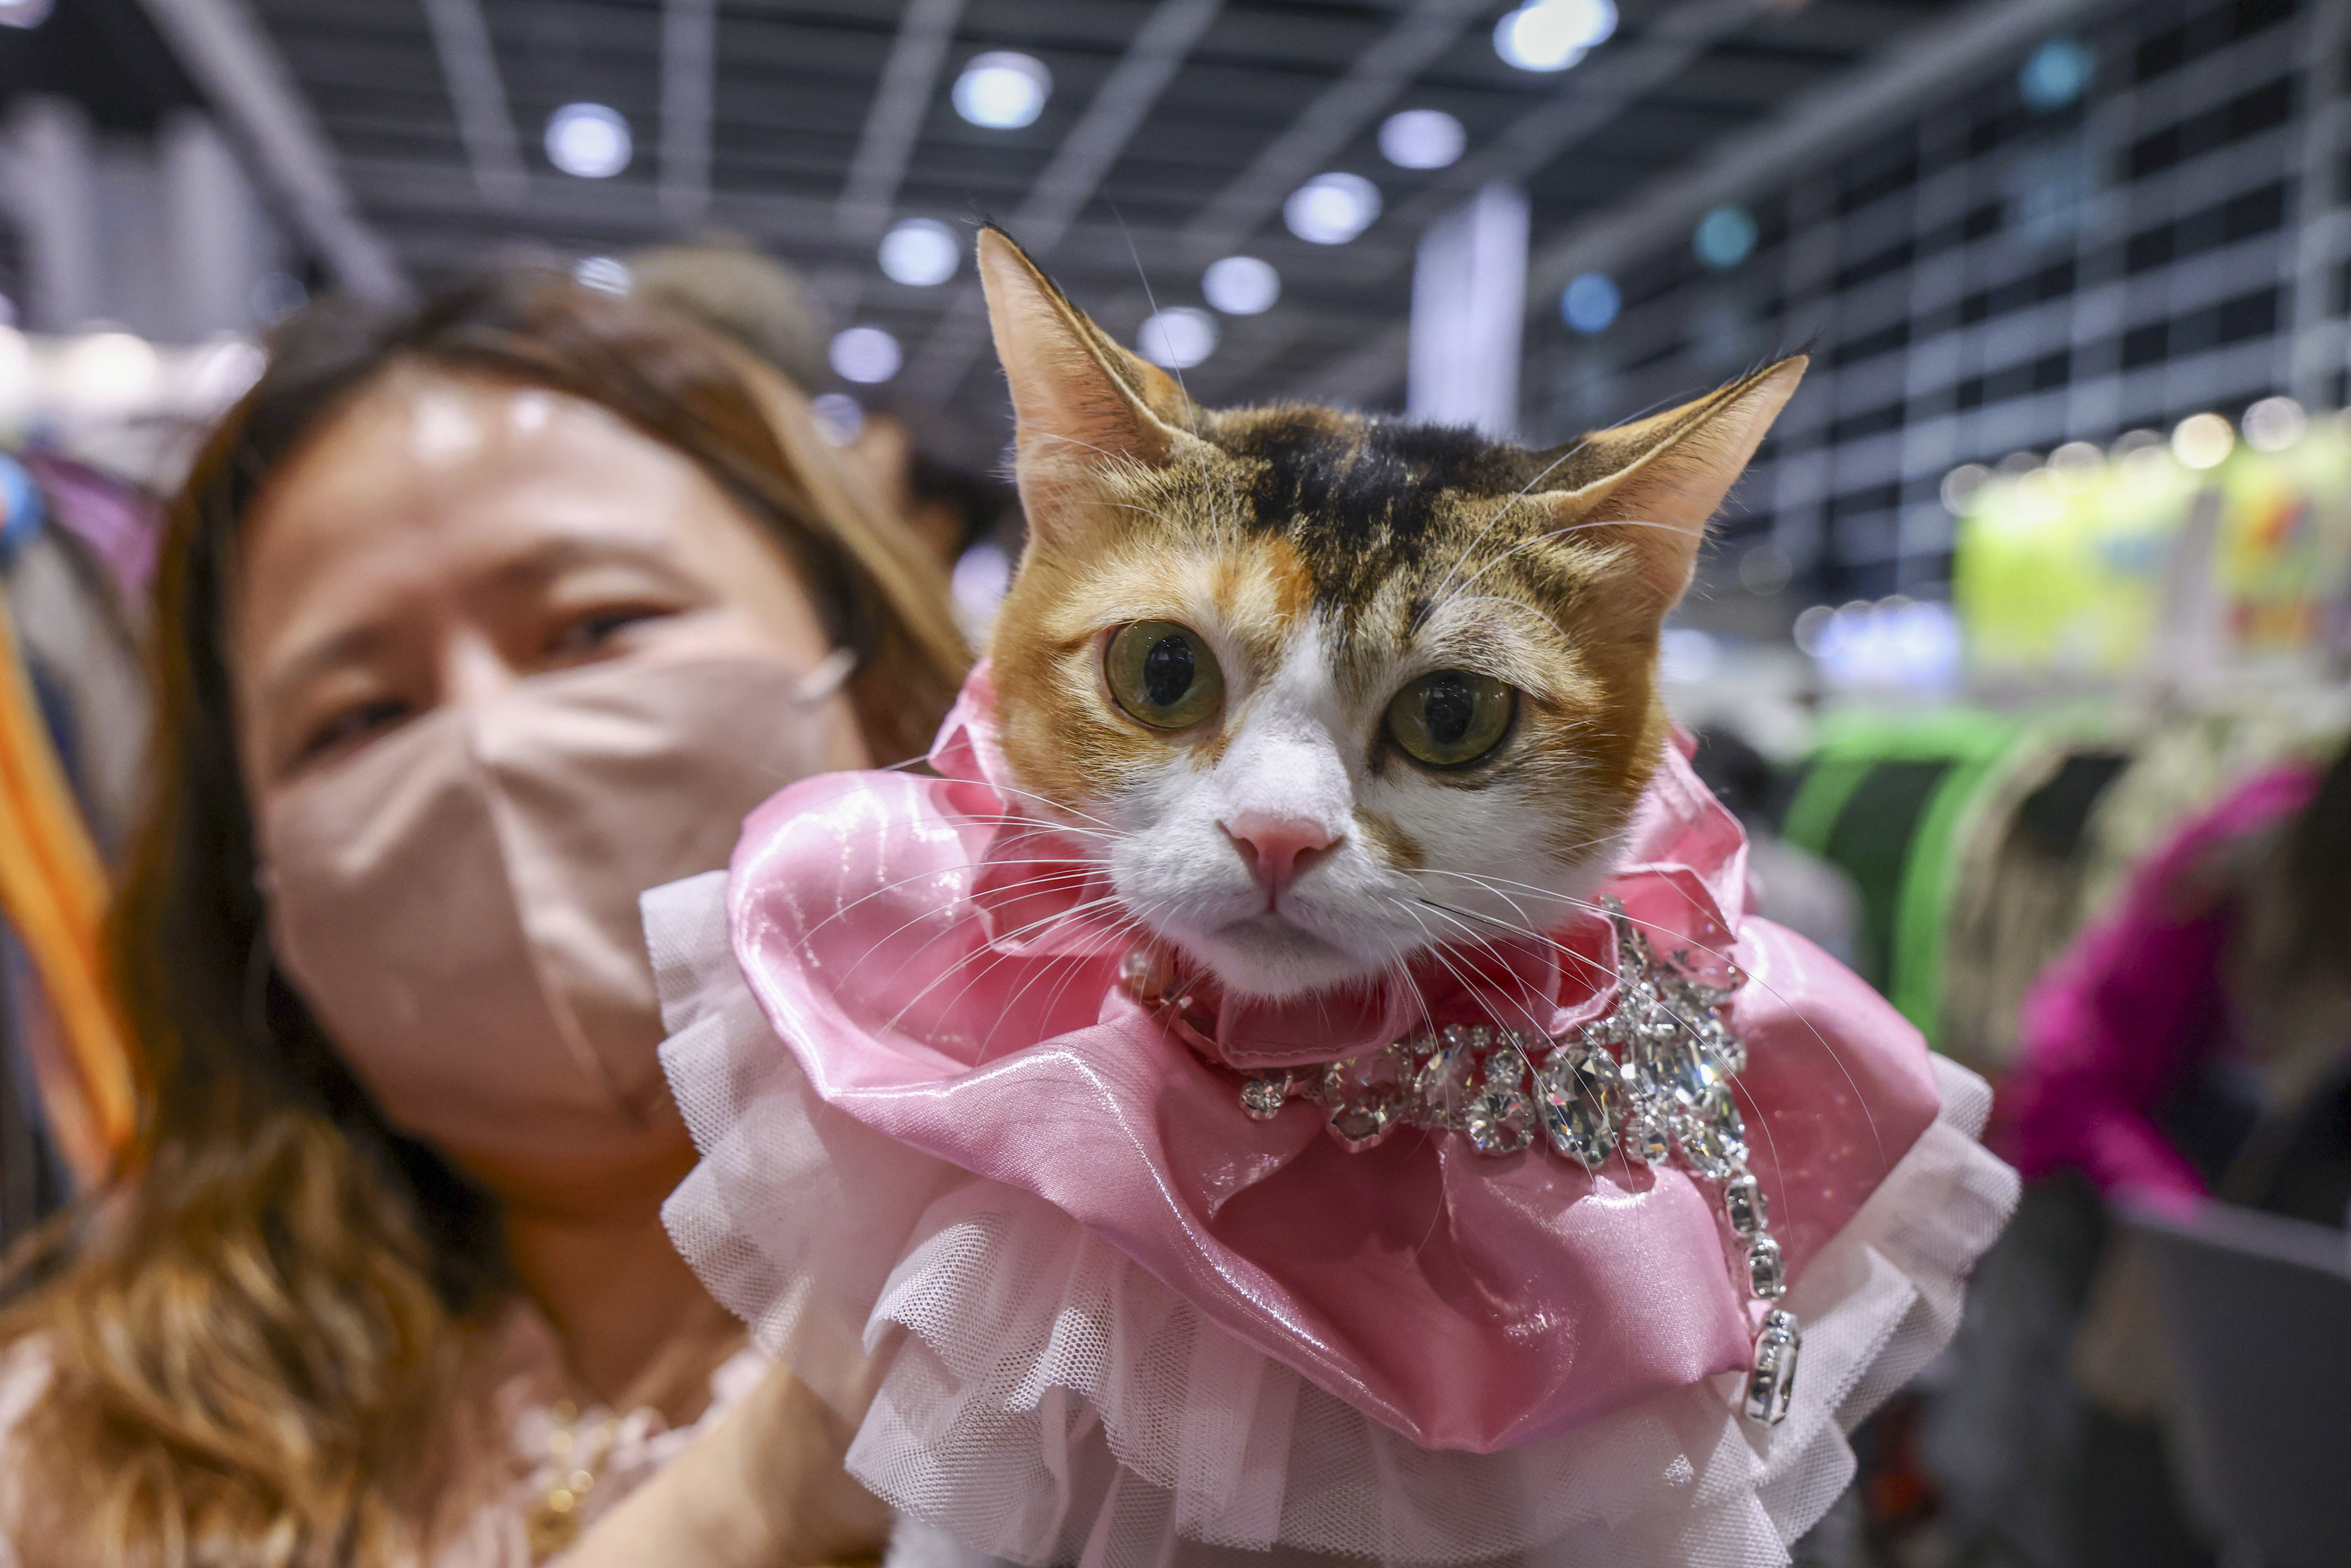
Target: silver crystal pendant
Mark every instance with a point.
(1644, 1136)
(1576, 1097)
(1726, 1049)
(1742, 1200)
(1441, 1086)
(1712, 1137)
(1772, 1382)
(1767, 1275)
(1365, 1094)
(1262, 1096)
(1685, 1071)
(1499, 1119)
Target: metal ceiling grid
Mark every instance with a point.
(1174, 130)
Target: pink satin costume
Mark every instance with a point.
(890, 927)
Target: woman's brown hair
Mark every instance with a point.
(250, 1334)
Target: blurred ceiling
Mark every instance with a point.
(1174, 131)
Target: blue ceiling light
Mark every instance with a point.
(1241, 286)
(1553, 34)
(1177, 338)
(1003, 90)
(588, 141)
(866, 355)
(1725, 238)
(1590, 303)
(1332, 209)
(2055, 74)
(920, 253)
(1422, 139)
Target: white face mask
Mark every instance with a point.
(457, 902)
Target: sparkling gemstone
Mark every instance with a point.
(1684, 1070)
(1576, 1097)
(1365, 1094)
(1773, 1381)
(1262, 1097)
(1499, 1119)
(1713, 1138)
(1766, 1275)
(1644, 1136)
(1742, 1200)
(1440, 1084)
(1727, 1050)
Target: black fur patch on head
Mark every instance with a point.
(1361, 497)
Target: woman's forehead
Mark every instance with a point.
(429, 475)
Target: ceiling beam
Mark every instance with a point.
(1116, 112)
(233, 62)
(469, 67)
(689, 65)
(401, 190)
(1092, 146)
(909, 78)
(1891, 86)
(1335, 118)
(1588, 100)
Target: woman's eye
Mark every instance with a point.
(352, 725)
(587, 632)
(1162, 675)
(1450, 718)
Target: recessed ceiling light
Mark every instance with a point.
(920, 252)
(1553, 34)
(1422, 139)
(588, 140)
(1590, 303)
(1724, 238)
(867, 355)
(1241, 286)
(2202, 441)
(1332, 209)
(2274, 423)
(2055, 74)
(24, 13)
(1178, 337)
(1003, 90)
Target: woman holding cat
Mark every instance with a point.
(475, 620)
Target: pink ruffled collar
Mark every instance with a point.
(894, 931)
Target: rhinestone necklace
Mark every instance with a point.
(1649, 1081)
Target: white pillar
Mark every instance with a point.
(1468, 313)
(52, 169)
(219, 240)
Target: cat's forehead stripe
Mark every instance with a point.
(1365, 500)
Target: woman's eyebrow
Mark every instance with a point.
(552, 558)
(350, 645)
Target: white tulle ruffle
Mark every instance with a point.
(1041, 1398)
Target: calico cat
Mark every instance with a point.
(1319, 691)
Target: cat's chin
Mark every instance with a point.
(1269, 957)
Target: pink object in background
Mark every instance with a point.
(2124, 1019)
(896, 934)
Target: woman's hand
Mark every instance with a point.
(764, 1488)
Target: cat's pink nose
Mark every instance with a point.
(1275, 848)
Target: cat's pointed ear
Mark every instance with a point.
(1659, 480)
(1081, 399)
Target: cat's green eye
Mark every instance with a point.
(1450, 718)
(1162, 675)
